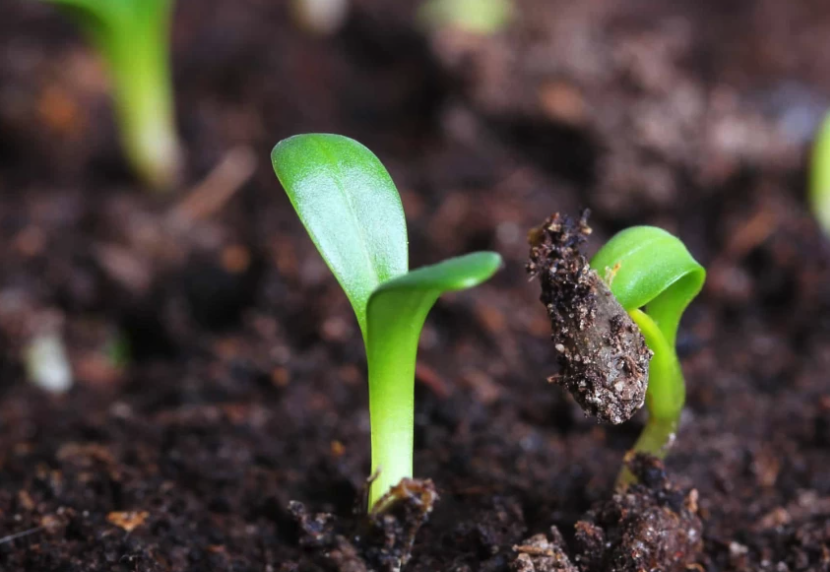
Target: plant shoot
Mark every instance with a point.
(352, 211)
(654, 278)
(820, 176)
(484, 17)
(133, 38)
(615, 321)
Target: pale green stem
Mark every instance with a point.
(392, 360)
(665, 396)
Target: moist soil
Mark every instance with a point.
(218, 420)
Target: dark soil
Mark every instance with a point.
(219, 372)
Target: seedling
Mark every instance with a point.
(484, 17)
(352, 211)
(643, 276)
(654, 278)
(133, 38)
(820, 176)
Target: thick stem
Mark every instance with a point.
(138, 57)
(665, 396)
(392, 353)
(656, 440)
(391, 408)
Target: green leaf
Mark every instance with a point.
(820, 176)
(351, 209)
(396, 313)
(649, 267)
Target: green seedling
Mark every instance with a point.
(820, 176)
(654, 278)
(352, 211)
(133, 38)
(483, 17)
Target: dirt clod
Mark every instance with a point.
(382, 541)
(539, 554)
(602, 354)
(651, 526)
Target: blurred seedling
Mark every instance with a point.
(133, 38)
(643, 276)
(352, 211)
(819, 183)
(484, 17)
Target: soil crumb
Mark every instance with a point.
(603, 357)
(380, 541)
(538, 554)
(650, 526)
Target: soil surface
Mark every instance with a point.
(219, 376)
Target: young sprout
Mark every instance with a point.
(485, 17)
(820, 176)
(133, 38)
(352, 211)
(654, 278)
(643, 276)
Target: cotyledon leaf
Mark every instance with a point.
(351, 209)
(646, 266)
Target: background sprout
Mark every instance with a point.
(133, 37)
(475, 16)
(820, 176)
(653, 276)
(352, 211)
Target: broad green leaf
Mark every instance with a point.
(351, 209)
(396, 314)
(648, 267)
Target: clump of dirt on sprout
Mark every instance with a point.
(603, 357)
(653, 525)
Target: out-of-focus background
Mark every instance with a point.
(175, 368)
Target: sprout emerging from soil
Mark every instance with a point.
(820, 176)
(133, 38)
(643, 276)
(483, 17)
(353, 214)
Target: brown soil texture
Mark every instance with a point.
(243, 389)
(603, 356)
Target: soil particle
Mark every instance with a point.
(380, 542)
(538, 554)
(650, 526)
(602, 354)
